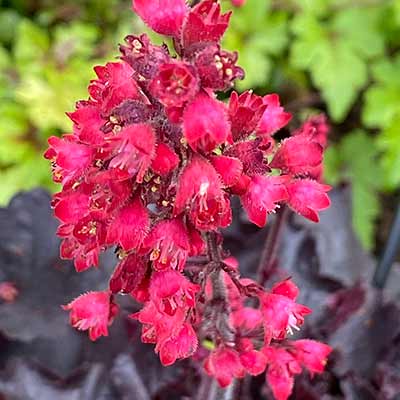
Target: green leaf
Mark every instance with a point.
(336, 54)
(74, 40)
(31, 45)
(355, 160)
(33, 172)
(258, 36)
(382, 100)
(9, 20)
(340, 74)
(360, 27)
(389, 143)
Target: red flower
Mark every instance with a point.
(224, 365)
(282, 367)
(274, 117)
(281, 313)
(313, 355)
(87, 124)
(165, 160)
(199, 190)
(228, 168)
(128, 274)
(134, 149)
(205, 124)
(316, 128)
(163, 16)
(251, 156)
(170, 245)
(114, 85)
(175, 84)
(245, 112)
(297, 155)
(170, 290)
(70, 159)
(262, 196)
(253, 361)
(93, 311)
(307, 197)
(130, 226)
(182, 345)
(217, 68)
(144, 57)
(71, 207)
(204, 24)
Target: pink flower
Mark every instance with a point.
(93, 311)
(114, 85)
(128, 274)
(170, 290)
(307, 197)
(285, 361)
(144, 57)
(282, 367)
(204, 24)
(297, 155)
(262, 196)
(130, 226)
(199, 190)
(70, 159)
(87, 124)
(217, 68)
(165, 160)
(315, 128)
(175, 84)
(281, 313)
(245, 112)
(71, 207)
(163, 16)
(274, 117)
(253, 361)
(313, 355)
(205, 124)
(182, 345)
(224, 365)
(170, 245)
(134, 149)
(251, 155)
(228, 168)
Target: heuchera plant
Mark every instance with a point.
(151, 166)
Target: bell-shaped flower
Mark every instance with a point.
(163, 16)
(133, 149)
(205, 123)
(307, 197)
(204, 24)
(274, 117)
(262, 197)
(199, 193)
(129, 226)
(93, 311)
(175, 84)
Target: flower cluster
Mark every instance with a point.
(150, 168)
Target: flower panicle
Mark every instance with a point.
(150, 168)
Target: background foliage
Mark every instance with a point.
(337, 56)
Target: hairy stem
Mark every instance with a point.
(269, 254)
(219, 304)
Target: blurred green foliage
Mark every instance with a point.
(337, 56)
(341, 57)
